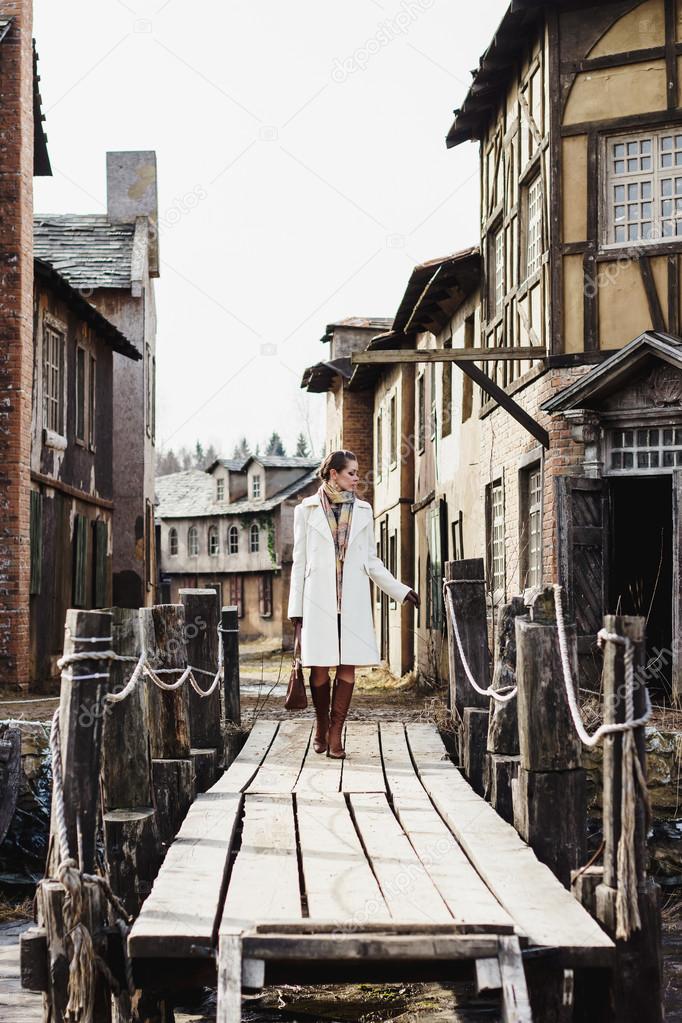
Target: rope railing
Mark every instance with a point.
(502, 695)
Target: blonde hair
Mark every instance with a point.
(337, 460)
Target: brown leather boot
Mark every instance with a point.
(320, 695)
(341, 697)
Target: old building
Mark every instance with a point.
(23, 154)
(112, 259)
(71, 496)
(577, 108)
(232, 528)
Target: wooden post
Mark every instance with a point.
(81, 714)
(234, 735)
(131, 833)
(502, 760)
(202, 616)
(550, 808)
(468, 598)
(637, 986)
(163, 628)
(475, 732)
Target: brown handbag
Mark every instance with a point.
(296, 698)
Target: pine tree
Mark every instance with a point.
(166, 463)
(275, 446)
(302, 447)
(198, 455)
(242, 449)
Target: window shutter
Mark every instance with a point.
(80, 560)
(101, 539)
(36, 541)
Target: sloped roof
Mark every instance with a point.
(191, 494)
(232, 464)
(377, 323)
(86, 248)
(283, 461)
(611, 374)
(318, 378)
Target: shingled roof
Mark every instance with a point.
(87, 249)
(192, 494)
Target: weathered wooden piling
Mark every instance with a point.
(550, 794)
(163, 631)
(202, 617)
(234, 735)
(468, 599)
(502, 759)
(637, 989)
(131, 834)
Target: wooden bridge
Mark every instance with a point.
(296, 867)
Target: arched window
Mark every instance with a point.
(213, 542)
(233, 540)
(254, 534)
(173, 542)
(193, 542)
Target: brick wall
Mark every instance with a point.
(358, 408)
(16, 336)
(504, 443)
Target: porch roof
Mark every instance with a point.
(611, 374)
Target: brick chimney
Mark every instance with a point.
(131, 193)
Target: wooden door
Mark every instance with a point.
(582, 542)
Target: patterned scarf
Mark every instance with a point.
(340, 528)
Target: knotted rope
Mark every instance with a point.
(501, 695)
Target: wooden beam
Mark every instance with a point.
(505, 401)
(653, 301)
(390, 355)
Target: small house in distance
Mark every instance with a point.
(231, 527)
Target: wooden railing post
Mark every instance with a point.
(202, 615)
(502, 761)
(131, 834)
(163, 630)
(637, 989)
(550, 807)
(234, 735)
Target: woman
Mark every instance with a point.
(329, 596)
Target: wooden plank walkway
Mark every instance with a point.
(388, 855)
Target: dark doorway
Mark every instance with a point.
(640, 563)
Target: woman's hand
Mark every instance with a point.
(412, 597)
(296, 621)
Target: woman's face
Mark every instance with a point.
(347, 478)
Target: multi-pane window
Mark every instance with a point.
(213, 542)
(92, 391)
(255, 485)
(643, 187)
(446, 394)
(254, 536)
(193, 542)
(394, 430)
(220, 489)
(534, 227)
(380, 442)
(497, 271)
(496, 537)
(648, 449)
(80, 393)
(534, 515)
(53, 379)
(233, 540)
(173, 542)
(421, 413)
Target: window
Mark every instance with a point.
(92, 392)
(220, 489)
(643, 188)
(213, 541)
(36, 541)
(235, 592)
(380, 442)
(53, 379)
(531, 526)
(497, 272)
(173, 542)
(421, 413)
(432, 388)
(233, 540)
(467, 382)
(100, 531)
(80, 393)
(255, 485)
(446, 394)
(534, 227)
(254, 537)
(265, 596)
(496, 539)
(80, 560)
(149, 392)
(650, 449)
(393, 455)
(193, 542)
(393, 559)
(457, 538)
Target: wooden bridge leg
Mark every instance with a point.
(515, 1001)
(229, 1009)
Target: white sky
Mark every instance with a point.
(302, 174)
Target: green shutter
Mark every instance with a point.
(101, 536)
(80, 539)
(36, 541)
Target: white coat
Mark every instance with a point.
(312, 593)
